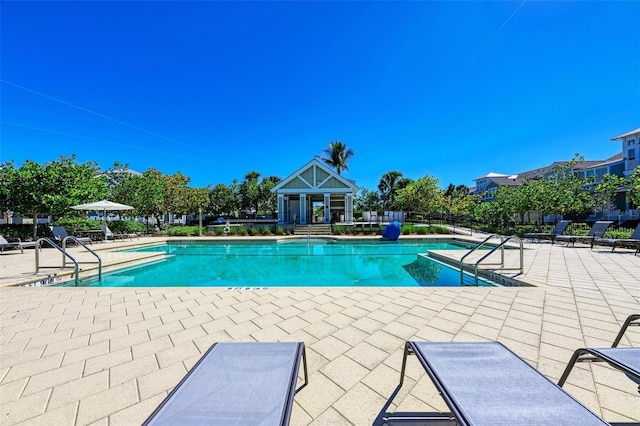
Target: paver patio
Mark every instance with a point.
(110, 355)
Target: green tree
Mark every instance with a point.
(223, 199)
(267, 200)
(52, 188)
(175, 187)
(633, 195)
(337, 155)
(250, 193)
(421, 196)
(605, 191)
(8, 186)
(572, 195)
(368, 201)
(388, 187)
(456, 201)
(145, 193)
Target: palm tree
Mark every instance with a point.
(337, 155)
(388, 188)
(389, 185)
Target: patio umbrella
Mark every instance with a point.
(103, 206)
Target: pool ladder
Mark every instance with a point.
(503, 240)
(66, 255)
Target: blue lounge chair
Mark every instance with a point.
(558, 229)
(597, 230)
(236, 383)
(626, 360)
(20, 244)
(485, 383)
(632, 241)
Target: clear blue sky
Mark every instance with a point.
(217, 89)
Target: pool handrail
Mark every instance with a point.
(80, 243)
(57, 247)
(503, 241)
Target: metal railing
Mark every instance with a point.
(81, 244)
(65, 256)
(500, 246)
(57, 247)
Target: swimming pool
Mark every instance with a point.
(290, 263)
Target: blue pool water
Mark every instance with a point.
(297, 263)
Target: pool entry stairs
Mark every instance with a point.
(66, 256)
(315, 229)
(490, 248)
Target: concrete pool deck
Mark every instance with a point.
(109, 356)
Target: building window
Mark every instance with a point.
(631, 142)
(631, 154)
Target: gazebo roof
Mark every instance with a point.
(315, 177)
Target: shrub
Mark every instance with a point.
(125, 227)
(279, 230)
(437, 229)
(75, 225)
(183, 231)
(24, 232)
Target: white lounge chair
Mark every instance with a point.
(108, 235)
(20, 244)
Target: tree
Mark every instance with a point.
(421, 196)
(605, 191)
(337, 155)
(267, 200)
(145, 193)
(223, 199)
(456, 201)
(51, 188)
(633, 195)
(250, 193)
(390, 183)
(174, 189)
(368, 201)
(572, 195)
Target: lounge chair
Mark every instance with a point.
(20, 244)
(108, 235)
(236, 383)
(633, 240)
(558, 229)
(626, 360)
(597, 230)
(60, 233)
(485, 383)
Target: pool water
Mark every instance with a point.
(297, 263)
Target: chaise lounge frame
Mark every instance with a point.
(626, 360)
(224, 386)
(486, 383)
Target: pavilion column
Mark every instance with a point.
(348, 207)
(327, 208)
(281, 209)
(303, 209)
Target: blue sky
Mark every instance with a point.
(451, 89)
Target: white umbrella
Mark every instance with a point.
(103, 205)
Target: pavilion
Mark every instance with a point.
(315, 187)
